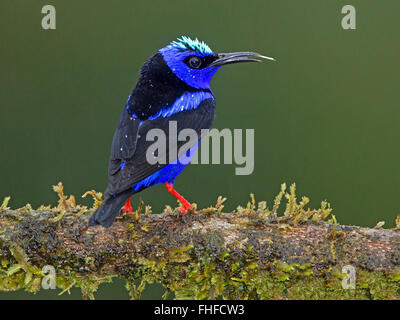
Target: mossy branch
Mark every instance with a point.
(251, 253)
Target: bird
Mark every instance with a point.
(173, 85)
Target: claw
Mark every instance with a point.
(183, 211)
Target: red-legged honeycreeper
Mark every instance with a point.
(174, 85)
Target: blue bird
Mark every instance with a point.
(174, 85)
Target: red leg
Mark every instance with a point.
(182, 200)
(127, 207)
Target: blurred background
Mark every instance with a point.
(325, 114)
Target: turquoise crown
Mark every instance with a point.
(185, 43)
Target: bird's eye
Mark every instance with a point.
(194, 62)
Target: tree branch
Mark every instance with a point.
(250, 254)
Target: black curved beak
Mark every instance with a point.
(236, 57)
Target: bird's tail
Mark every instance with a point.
(109, 209)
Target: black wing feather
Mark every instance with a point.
(124, 141)
(134, 146)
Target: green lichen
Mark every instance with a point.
(191, 272)
(4, 205)
(209, 279)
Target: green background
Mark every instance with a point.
(325, 114)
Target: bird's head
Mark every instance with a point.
(195, 63)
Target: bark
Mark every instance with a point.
(246, 255)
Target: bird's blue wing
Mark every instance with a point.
(136, 167)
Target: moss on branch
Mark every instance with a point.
(251, 253)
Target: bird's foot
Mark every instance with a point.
(127, 207)
(184, 209)
(182, 200)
